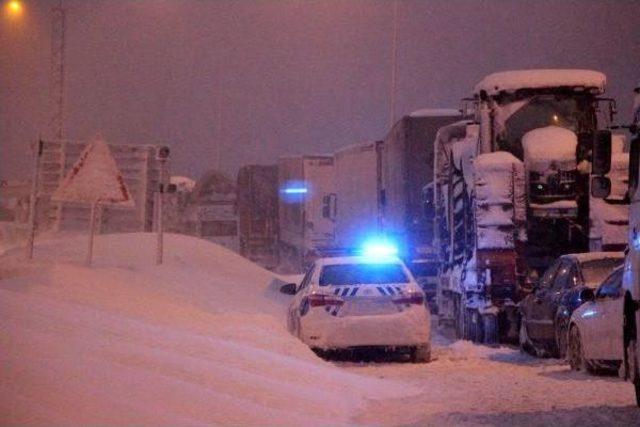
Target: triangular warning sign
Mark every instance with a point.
(94, 178)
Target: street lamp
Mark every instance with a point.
(14, 8)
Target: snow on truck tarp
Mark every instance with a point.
(550, 144)
(510, 81)
(200, 340)
(94, 177)
(500, 198)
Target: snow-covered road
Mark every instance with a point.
(201, 340)
(473, 385)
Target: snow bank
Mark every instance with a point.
(183, 183)
(12, 234)
(511, 81)
(198, 340)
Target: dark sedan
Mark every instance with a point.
(564, 286)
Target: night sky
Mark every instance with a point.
(260, 79)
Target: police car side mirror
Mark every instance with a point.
(288, 289)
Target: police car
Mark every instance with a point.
(365, 300)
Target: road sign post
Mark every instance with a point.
(33, 199)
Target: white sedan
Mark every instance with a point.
(595, 330)
(359, 301)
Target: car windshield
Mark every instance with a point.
(595, 271)
(360, 274)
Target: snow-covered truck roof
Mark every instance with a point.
(511, 81)
(435, 112)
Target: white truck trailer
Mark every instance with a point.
(307, 209)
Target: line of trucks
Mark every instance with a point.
(478, 200)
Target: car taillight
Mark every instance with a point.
(320, 300)
(411, 298)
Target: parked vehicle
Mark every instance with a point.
(307, 209)
(385, 188)
(565, 285)
(601, 188)
(358, 179)
(359, 301)
(595, 330)
(512, 193)
(211, 211)
(406, 190)
(257, 188)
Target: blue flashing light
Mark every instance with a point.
(295, 190)
(379, 249)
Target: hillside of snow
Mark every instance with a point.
(198, 340)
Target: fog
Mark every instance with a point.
(229, 83)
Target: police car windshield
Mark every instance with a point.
(361, 274)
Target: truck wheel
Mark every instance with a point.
(490, 329)
(421, 354)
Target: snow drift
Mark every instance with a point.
(199, 340)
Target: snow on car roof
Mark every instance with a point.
(594, 256)
(511, 81)
(435, 112)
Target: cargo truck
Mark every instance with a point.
(307, 209)
(512, 193)
(384, 190)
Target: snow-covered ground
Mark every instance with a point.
(201, 340)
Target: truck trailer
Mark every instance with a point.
(383, 190)
(512, 193)
(257, 188)
(307, 209)
(407, 175)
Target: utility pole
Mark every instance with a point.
(58, 29)
(394, 67)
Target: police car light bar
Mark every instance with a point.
(379, 248)
(295, 190)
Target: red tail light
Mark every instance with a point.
(320, 300)
(411, 298)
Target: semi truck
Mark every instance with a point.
(382, 187)
(257, 188)
(511, 192)
(307, 209)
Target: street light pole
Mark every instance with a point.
(394, 67)
(57, 81)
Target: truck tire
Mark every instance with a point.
(490, 329)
